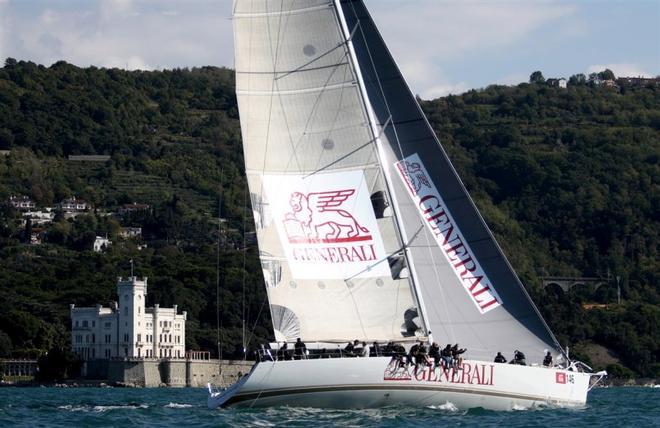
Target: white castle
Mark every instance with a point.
(128, 329)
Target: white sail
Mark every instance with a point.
(330, 128)
(329, 246)
(470, 292)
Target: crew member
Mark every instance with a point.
(499, 358)
(547, 361)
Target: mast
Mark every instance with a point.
(386, 174)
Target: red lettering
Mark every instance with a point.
(483, 290)
(418, 373)
(466, 268)
(454, 379)
(491, 373)
(473, 281)
(445, 371)
(467, 368)
(431, 377)
(490, 303)
(422, 203)
(455, 252)
(475, 375)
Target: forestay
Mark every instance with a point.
(329, 247)
(470, 292)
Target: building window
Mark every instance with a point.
(93, 323)
(107, 325)
(93, 338)
(77, 324)
(85, 323)
(139, 339)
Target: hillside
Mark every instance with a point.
(568, 180)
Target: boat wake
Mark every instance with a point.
(448, 407)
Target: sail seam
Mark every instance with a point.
(295, 70)
(297, 91)
(282, 12)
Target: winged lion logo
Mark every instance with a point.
(317, 217)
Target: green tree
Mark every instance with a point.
(536, 77)
(577, 79)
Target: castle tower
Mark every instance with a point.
(132, 293)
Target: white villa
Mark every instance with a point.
(128, 329)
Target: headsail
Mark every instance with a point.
(329, 247)
(471, 293)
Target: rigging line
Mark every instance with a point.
(336, 161)
(256, 320)
(244, 262)
(439, 285)
(300, 67)
(347, 155)
(380, 86)
(397, 251)
(217, 274)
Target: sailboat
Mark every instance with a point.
(366, 231)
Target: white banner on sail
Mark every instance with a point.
(327, 225)
(447, 234)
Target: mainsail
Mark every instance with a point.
(328, 244)
(332, 136)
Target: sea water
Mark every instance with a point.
(166, 407)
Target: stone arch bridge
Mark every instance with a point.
(568, 282)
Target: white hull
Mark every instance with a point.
(372, 382)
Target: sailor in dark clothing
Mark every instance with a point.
(388, 350)
(518, 358)
(411, 357)
(456, 355)
(283, 352)
(375, 349)
(300, 350)
(499, 358)
(348, 350)
(434, 352)
(422, 354)
(547, 361)
(446, 356)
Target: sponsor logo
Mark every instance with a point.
(467, 374)
(445, 231)
(318, 218)
(560, 377)
(326, 225)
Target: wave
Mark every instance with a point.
(101, 409)
(178, 406)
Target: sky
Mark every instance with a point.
(442, 46)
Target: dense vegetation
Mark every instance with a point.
(566, 178)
